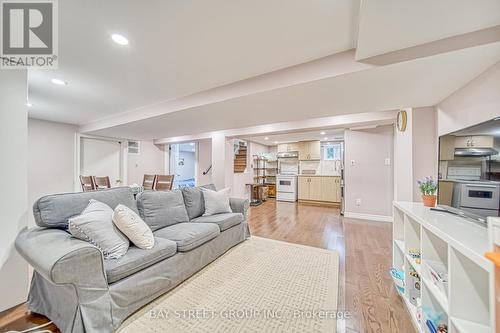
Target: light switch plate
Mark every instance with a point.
(387, 161)
(353, 162)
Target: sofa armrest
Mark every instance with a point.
(239, 206)
(61, 258)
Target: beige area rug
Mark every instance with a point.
(261, 285)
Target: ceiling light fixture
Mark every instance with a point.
(119, 39)
(266, 138)
(59, 82)
(322, 133)
(275, 142)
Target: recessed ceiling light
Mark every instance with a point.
(275, 142)
(29, 104)
(322, 133)
(266, 138)
(119, 39)
(59, 82)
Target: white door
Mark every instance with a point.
(101, 158)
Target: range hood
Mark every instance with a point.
(288, 154)
(475, 152)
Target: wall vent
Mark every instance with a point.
(133, 147)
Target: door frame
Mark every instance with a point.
(196, 157)
(78, 157)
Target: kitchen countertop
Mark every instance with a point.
(319, 175)
(480, 182)
(470, 238)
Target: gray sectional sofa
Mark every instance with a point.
(80, 292)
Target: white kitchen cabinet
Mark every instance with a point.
(315, 188)
(293, 146)
(447, 148)
(303, 188)
(475, 141)
(319, 188)
(330, 187)
(287, 147)
(309, 150)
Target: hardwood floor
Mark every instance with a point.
(366, 291)
(365, 286)
(19, 318)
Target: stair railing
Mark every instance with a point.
(208, 170)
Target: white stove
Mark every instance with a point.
(286, 187)
(471, 193)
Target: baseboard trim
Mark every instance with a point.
(319, 203)
(378, 218)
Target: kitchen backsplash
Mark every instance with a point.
(324, 168)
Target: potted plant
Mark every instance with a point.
(428, 188)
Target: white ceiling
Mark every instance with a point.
(390, 25)
(272, 140)
(177, 48)
(186, 48)
(416, 83)
(491, 127)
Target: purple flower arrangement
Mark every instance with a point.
(427, 186)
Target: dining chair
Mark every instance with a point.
(87, 183)
(102, 182)
(163, 182)
(148, 182)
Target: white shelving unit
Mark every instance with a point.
(494, 237)
(467, 302)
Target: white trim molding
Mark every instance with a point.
(78, 157)
(361, 216)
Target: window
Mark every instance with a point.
(331, 151)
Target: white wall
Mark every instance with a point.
(425, 147)
(403, 161)
(204, 162)
(476, 102)
(51, 159)
(101, 157)
(14, 190)
(240, 190)
(415, 153)
(150, 160)
(186, 171)
(369, 179)
(219, 159)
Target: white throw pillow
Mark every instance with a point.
(216, 202)
(95, 226)
(128, 222)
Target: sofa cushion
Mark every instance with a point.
(53, 211)
(193, 199)
(138, 259)
(216, 202)
(132, 226)
(95, 225)
(160, 209)
(189, 235)
(224, 221)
